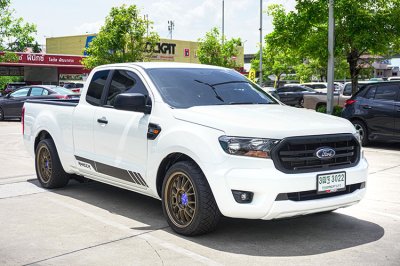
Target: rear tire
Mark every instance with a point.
(362, 131)
(1, 114)
(188, 203)
(49, 170)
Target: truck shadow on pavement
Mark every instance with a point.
(308, 235)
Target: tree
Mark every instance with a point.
(213, 51)
(277, 60)
(15, 35)
(368, 27)
(123, 38)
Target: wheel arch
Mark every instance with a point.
(41, 136)
(166, 163)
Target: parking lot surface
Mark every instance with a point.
(96, 224)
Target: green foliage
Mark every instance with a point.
(362, 27)
(277, 60)
(9, 57)
(123, 38)
(337, 110)
(4, 80)
(15, 34)
(211, 51)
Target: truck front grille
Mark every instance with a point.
(298, 154)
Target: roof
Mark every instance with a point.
(151, 65)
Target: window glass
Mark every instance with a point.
(36, 91)
(20, 93)
(45, 92)
(185, 88)
(96, 87)
(370, 94)
(386, 92)
(281, 90)
(125, 82)
(347, 90)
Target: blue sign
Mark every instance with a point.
(89, 39)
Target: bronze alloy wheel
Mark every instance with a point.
(44, 164)
(180, 202)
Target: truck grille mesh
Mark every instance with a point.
(298, 154)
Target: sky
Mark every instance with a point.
(193, 18)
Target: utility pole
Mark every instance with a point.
(331, 59)
(223, 21)
(171, 26)
(261, 52)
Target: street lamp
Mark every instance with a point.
(331, 59)
(260, 78)
(223, 21)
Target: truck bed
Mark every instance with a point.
(59, 102)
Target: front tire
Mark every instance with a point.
(1, 114)
(188, 203)
(49, 170)
(362, 130)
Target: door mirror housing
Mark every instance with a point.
(132, 102)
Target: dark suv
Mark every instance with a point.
(375, 111)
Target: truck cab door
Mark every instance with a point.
(120, 137)
(83, 121)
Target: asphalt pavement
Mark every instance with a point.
(97, 224)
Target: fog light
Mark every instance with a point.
(242, 196)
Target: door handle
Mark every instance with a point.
(366, 107)
(102, 120)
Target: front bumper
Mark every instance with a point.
(266, 182)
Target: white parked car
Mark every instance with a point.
(203, 139)
(323, 86)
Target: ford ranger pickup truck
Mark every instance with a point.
(203, 139)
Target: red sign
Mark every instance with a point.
(187, 52)
(47, 59)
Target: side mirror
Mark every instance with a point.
(132, 102)
(8, 96)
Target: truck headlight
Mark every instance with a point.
(252, 147)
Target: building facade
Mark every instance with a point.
(166, 50)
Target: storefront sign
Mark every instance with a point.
(48, 59)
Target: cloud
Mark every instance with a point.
(89, 27)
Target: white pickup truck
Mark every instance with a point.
(203, 139)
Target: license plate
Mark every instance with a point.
(328, 183)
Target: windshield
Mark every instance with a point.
(185, 88)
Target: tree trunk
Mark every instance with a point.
(352, 59)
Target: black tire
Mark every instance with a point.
(194, 197)
(319, 105)
(301, 103)
(362, 131)
(49, 170)
(1, 114)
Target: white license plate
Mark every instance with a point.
(328, 183)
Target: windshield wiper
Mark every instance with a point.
(228, 82)
(212, 87)
(237, 103)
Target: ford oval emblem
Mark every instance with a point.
(325, 153)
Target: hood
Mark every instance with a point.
(264, 121)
